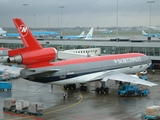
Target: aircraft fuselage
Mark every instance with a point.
(85, 69)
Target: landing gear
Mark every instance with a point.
(70, 87)
(83, 88)
(102, 89)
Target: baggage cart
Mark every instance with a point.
(22, 106)
(35, 108)
(9, 104)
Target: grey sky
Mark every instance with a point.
(83, 13)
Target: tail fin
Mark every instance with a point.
(144, 33)
(82, 34)
(28, 39)
(2, 32)
(89, 35)
(1, 29)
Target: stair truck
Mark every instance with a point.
(152, 113)
(131, 89)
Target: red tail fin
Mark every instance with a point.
(28, 39)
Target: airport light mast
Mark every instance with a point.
(117, 23)
(150, 16)
(25, 5)
(34, 22)
(61, 7)
(48, 23)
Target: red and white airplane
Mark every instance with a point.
(39, 67)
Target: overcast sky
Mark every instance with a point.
(83, 13)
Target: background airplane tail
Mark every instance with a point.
(144, 33)
(82, 34)
(89, 35)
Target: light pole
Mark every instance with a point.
(58, 24)
(61, 7)
(25, 5)
(117, 23)
(48, 23)
(34, 22)
(150, 16)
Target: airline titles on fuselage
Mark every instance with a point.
(127, 60)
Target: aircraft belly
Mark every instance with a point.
(79, 79)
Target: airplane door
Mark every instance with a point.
(62, 73)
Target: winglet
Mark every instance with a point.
(28, 39)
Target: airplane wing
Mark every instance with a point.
(118, 76)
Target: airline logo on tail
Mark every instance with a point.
(24, 30)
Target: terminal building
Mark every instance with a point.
(107, 47)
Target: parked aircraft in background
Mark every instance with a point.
(89, 35)
(35, 33)
(150, 35)
(3, 54)
(72, 37)
(74, 71)
(154, 27)
(2, 32)
(107, 32)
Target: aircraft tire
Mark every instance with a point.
(106, 90)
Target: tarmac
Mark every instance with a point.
(79, 105)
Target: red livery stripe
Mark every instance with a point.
(97, 58)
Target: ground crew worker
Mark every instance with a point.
(64, 96)
(153, 71)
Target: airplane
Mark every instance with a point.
(35, 33)
(107, 32)
(3, 54)
(150, 35)
(89, 35)
(2, 32)
(72, 37)
(68, 73)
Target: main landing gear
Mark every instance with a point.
(70, 87)
(83, 88)
(102, 89)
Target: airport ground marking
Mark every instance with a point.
(81, 98)
(60, 109)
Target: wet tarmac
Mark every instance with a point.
(79, 105)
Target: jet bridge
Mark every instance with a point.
(78, 53)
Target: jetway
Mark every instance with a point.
(78, 53)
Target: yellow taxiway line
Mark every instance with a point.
(60, 109)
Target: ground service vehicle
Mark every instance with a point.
(5, 85)
(152, 113)
(131, 89)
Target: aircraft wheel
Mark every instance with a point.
(106, 90)
(74, 86)
(102, 90)
(65, 87)
(97, 90)
(83, 88)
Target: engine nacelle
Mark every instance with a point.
(34, 57)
